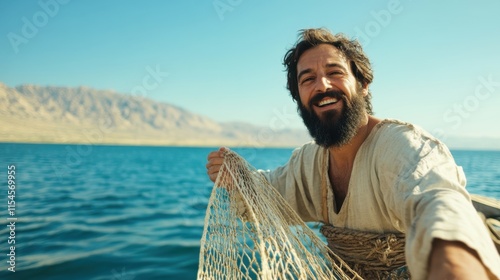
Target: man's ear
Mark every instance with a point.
(365, 89)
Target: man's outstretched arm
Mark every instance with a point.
(454, 260)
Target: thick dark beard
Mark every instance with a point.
(337, 129)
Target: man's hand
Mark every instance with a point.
(454, 260)
(215, 160)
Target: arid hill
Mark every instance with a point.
(46, 114)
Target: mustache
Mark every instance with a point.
(318, 97)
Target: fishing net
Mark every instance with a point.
(252, 233)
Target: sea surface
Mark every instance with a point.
(125, 212)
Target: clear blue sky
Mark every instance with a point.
(436, 63)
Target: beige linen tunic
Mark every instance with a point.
(403, 180)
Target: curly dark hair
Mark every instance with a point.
(351, 49)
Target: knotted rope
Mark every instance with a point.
(371, 255)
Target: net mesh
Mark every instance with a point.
(252, 233)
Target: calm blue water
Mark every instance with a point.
(124, 213)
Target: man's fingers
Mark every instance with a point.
(213, 168)
(214, 154)
(215, 161)
(218, 154)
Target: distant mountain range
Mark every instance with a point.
(82, 115)
(46, 114)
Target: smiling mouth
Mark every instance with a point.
(327, 101)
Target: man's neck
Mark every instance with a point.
(342, 160)
(343, 157)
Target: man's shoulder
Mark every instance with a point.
(392, 128)
(405, 136)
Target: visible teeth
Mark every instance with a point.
(327, 101)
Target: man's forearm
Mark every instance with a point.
(454, 260)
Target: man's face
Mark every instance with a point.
(332, 103)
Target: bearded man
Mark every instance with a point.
(364, 174)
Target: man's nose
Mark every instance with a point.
(323, 84)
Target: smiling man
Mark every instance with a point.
(364, 175)
(326, 88)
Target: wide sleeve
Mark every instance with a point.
(426, 195)
(298, 181)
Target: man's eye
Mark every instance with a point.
(306, 80)
(333, 73)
